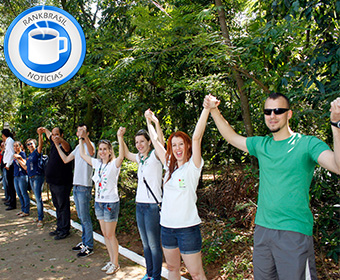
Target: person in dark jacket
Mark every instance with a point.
(59, 177)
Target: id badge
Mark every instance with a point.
(181, 184)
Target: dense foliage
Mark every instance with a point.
(167, 55)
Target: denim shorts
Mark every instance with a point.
(188, 240)
(107, 211)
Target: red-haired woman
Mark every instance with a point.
(180, 232)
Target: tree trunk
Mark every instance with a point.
(236, 74)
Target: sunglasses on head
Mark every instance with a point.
(104, 141)
(277, 111)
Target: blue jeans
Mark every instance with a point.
(82, 198)
(21, 184)
(147, 215)
(37, 183)
(5, 182)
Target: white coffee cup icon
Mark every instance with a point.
(44, 45)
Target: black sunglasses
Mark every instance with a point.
(29, 144)
(277, 111)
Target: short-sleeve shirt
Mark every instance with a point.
(179, 208)
(32, 164)
(18, 170)
(56, 171)
(151, 169)
(105, 178)
(82, 170)
(286, 172)
(9, 152)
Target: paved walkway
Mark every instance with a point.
(28, 252)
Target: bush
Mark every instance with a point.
(232, 195)
(325, 194)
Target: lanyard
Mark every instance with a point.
(101, 173)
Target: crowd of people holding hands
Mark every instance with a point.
(283, 245)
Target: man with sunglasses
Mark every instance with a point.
(283, 242)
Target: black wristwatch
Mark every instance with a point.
(336, 124)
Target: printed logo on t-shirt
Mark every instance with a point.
(181, 184)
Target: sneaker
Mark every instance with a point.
(40, 224)
(85, 252)
(78, 247)
(146, 277)
(112, 269)
(106, 267)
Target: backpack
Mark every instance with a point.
(42, 162)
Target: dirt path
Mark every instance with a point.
(28, 252)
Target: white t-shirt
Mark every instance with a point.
(82, 170)
(9, 152)
(105, 178)
(151, 170)
(179, 200)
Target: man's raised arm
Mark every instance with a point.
(228, 133)
(331, 159)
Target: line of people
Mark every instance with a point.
(283, 244)
(19, 172)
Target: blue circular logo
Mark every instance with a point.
(44, 46)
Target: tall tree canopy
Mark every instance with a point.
(167, 55)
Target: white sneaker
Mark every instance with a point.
(112, 269)
(107, 266)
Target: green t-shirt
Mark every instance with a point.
(286, 172)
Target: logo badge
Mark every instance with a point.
(45, 46)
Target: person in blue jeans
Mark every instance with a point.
(82, 191)
(21, 179)
(147, 210)
(36, 174)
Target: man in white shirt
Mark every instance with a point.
(82, 190)
(8, 174)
